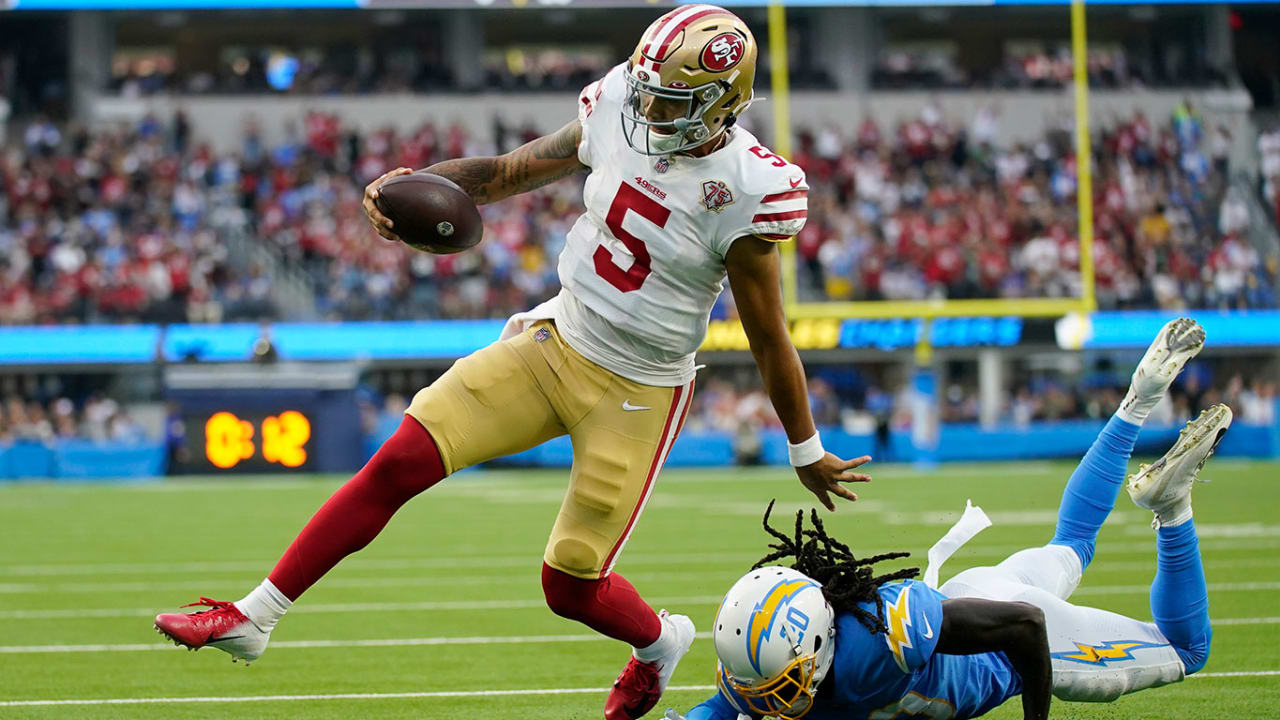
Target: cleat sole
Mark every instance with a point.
(1165, 484)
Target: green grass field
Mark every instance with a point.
(447, 599)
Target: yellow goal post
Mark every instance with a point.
(1021, 307)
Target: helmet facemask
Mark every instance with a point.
(790, 695)
(680, 126)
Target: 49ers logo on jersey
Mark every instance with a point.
(715, 195)
(723, 52)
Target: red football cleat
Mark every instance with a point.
(634, 693)
(223, 626)
(641, 684)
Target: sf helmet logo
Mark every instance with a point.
(723, 52)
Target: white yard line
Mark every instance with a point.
(475, 562)
(310, 644)
(334, 696)
(1143, 589)
(517, 604)
(430, 695)
(423, 606)
(208, 586)
(411, 642)
(411, 563)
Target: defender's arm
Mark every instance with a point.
(753, 267)
(972, 625)
(490, 179)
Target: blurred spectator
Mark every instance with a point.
(99, 419)
(1269, 167)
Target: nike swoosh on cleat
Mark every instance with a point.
(211, 640)
(626, 405)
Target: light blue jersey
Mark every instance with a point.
(894, 675)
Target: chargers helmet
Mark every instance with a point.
(774, 634)
(688, 79)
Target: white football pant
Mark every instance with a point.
(1097, 655)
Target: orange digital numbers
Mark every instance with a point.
(228, 440)
(283, 438)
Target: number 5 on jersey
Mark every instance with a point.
(633, 200)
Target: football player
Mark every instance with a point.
(677, 198)
(827, 638)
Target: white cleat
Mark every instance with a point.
(684, 640)
(1164, 486)
(1179, 341)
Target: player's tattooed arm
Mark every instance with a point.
(490, 179)
(530, 166)
(972, 625)
(754, 275)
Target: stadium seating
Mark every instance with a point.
(122, 225)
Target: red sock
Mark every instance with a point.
(609, 605)
(406, 464)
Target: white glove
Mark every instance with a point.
(673, 715)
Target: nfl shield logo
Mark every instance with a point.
(662, 165)
(715, 195)
(542, 335)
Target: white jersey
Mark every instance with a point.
(643, 266)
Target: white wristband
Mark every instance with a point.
(807, 452)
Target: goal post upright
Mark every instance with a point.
(997, 307)
(780, 98)
(1084, 155)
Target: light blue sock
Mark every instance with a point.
(1091, 492)
(1179, 597)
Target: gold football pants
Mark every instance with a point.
(523, 391)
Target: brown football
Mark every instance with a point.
(430, 213)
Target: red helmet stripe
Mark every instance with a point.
(663, 22)
(662, 51)
(671, 26)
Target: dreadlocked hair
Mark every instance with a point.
(846, 580)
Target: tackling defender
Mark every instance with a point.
(677, 198)
(829, 639)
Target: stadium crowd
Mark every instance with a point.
(1038, 68)
(933, 209)
(131, 223)
(97, 417)
(351, 71)
(737, 404)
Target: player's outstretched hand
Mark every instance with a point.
(824, 477)
(381, 222)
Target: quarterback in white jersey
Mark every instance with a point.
(677, 199)
(646, 262)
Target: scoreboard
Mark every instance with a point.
(264, 419)
(256, 442)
